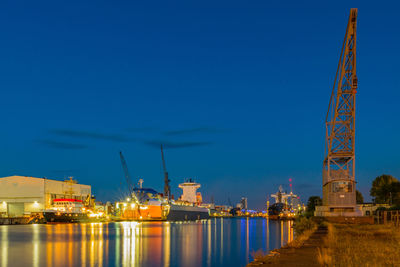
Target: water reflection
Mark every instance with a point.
(166, 243)
(215, 242)
(4, 246)
(35, 243)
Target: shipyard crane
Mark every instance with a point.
(126, 173)
(167, 188)
(339, 192)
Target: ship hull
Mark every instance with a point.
(187, 213)
(144, 213)
(53, 217)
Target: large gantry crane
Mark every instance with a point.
(167, 188)
(127, 175)
(339, 190)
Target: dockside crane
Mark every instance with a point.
(126, 174)
(167, 188)
(339, 192)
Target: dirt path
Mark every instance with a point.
(307, 255)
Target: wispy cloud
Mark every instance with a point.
(142, 129)
(64, 171)
(304, 185)
(296, 187)
(90, 135)
(190, 131)
(169, 144)
(61, 145)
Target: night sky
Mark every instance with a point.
(236, 90)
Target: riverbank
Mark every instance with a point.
(303, 251)
(340, 245)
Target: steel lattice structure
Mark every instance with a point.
(339, 163)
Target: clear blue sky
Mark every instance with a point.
(237, 90)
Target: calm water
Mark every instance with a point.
(214, 242)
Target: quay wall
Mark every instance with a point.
(348, 220)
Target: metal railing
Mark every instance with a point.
(388, 216)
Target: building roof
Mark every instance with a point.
(30, 177)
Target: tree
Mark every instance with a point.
(312, 202)
(385, 190)
(359, 197)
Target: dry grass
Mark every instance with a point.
(361, 245)
(300, 239)
(258, 255)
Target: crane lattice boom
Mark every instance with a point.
(339, 163)
(167, 188)
(126, 174)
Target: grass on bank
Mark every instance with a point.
(361, 245)
(303, 228)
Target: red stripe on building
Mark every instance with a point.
(67, 199)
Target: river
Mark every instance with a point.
(213, 242)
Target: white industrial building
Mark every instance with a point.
(21, 195)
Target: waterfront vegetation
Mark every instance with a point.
(360, 245)
(303, 228)
(303, 224)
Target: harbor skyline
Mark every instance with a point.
(237, 94)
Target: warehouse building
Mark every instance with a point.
(21, 195)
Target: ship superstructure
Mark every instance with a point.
(189, 188)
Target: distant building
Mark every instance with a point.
(21, 195)
(244, 203)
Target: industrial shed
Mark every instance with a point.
(21, 195)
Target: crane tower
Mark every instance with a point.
(339, 190)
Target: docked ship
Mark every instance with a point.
(286, 204)
(189, 206)
(68, 208)
(149, 205)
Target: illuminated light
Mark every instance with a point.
(124, 204)
(128, 199)
(4, 203)
(133, 205)
(144, 208)
(117, 205)
(36, 204)
(95, 215)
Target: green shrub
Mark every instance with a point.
(395, 207)
(302, 224)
